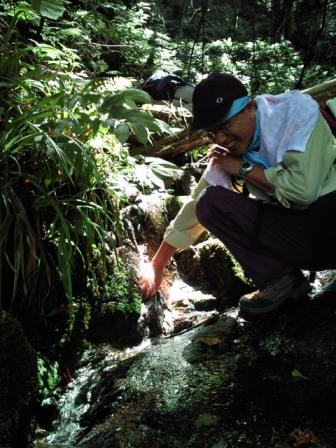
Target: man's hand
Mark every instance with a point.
(223, 160)
(151, 273)
(231, 164)
(150, 280)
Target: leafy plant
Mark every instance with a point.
(47, 376)
(55, 201)
(125, 117)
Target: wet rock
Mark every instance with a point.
(160, 400)
(211, 340)
(126, 321)
(47, 413)
(185, 182)
(148, 219)
(153, 316)
(205, 303)
(174, 204)
(229, 383)
(116, 319)
(186, 307)
(18, 377)
(184, 295)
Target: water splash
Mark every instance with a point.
(77, 398)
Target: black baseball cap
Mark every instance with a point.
(213, 98)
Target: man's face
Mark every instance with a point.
(237, 133)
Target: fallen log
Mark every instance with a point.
(167, 112)
(322, 92)
(171, 146)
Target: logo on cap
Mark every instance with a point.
(219, 99)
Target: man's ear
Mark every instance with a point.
(251, 107)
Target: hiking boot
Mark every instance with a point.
(291, 286)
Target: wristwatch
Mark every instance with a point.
(245, 168)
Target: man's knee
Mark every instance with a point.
(206, 203)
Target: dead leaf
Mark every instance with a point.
(212, 341)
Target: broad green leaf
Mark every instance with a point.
(135, 95)
(162, 168)
(204, 420)
(156, 161)
(141, 133)
(73, 32)
(156, 180)
(52, 9)
(51, 100)
(122, 132)
(165, 173)
(127, 97)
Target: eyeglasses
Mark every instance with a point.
(210, 137)
(228, 125)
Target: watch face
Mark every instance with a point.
(245, 168)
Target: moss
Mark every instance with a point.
(47, 376)
(173, 204)
(122, 291)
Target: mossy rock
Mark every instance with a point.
(211, 267)
(173, 205)
(147, 219)
(115, 327)
(18, 379)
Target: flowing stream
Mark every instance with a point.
(100, 360)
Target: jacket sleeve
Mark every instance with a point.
(301, 177)
(184, 230)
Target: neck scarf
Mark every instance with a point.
(251, 154)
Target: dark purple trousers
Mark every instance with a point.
(271, 241)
